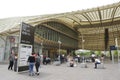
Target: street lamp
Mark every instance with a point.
(83, 46)
(59, 42)
(83, 43)
(116, 44)
(41, 46)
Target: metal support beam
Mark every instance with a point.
(88, 18)
(100, 16)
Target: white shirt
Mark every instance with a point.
(93, 55)
(97, 60)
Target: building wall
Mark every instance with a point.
(2, 48)
(8, 44)
(58, 32)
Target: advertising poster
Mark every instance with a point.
(25, 46)
(27, 34)
(25, 52)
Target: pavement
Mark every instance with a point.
(62, 72)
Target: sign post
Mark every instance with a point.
(25, 46)
(112, 49)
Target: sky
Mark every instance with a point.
(19, 8)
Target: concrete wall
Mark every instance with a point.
(8, 44)
(2, 47)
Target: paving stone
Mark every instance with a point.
(62, 72)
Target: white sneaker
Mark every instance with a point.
(37, 73)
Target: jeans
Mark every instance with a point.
(31, 65)
(96, 64)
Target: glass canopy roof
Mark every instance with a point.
(90, 22)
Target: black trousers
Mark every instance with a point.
(93, 60)
(15, 65)
(10, 65)
(44, 61)
(37, 65)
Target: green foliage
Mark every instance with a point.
(83, 53)
(98, 53)
(108, 54)
(115, 53)
(87, 54)
(73, 53)
(63, 52)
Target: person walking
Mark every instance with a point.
(93, 57)
(102, 58)
(31, 60)
(37, 63)
(15, 62)
(11, 61)
(44, 59)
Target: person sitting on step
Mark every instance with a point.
(97, 61)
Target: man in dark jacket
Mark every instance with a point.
(31, 60)
(11, 61)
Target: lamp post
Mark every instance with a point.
(83, 47)
(116, 44)
(41, 46)
(83, 42)
(59, 42)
